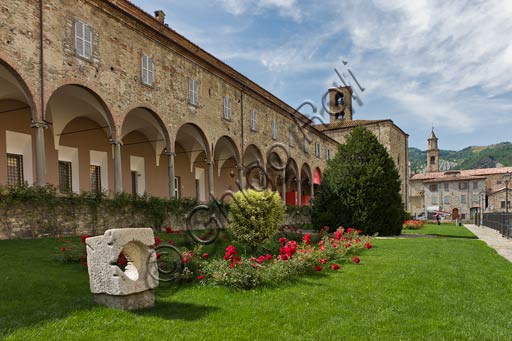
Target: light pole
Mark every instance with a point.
(482, 204)
(506, 179)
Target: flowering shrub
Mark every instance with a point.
(69, 251)
(413, 224)
(292, 260)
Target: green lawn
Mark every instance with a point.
(445, 230)
(438, 288)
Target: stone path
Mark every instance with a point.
(494, 239)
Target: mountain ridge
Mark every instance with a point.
(472, 157)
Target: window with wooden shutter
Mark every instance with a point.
(83, 40)
(147, 70)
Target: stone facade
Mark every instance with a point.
(96, 121)
(463, 192)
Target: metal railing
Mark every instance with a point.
(499, 221)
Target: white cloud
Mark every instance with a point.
(285, 8)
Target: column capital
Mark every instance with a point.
(39, 124)
(239, 167)
(173, 154)
(115, 142)
(210, 162)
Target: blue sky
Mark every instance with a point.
(447, 63)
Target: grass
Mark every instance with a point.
(440, 288)
(443, 230)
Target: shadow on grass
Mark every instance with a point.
(177, 311)
(434, 235)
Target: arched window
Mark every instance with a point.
(432, 160)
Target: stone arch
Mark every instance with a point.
(149, 124)
(11, 78)
(18, 113)
(192, 162)
(253, 154)
(90, 105)
(227, 164)
(144, 139)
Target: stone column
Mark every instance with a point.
(312, 189)
(118, 176)
(283, 186)
(171, 174)
(211, 193)
(299, 193)
(40, 153)
(241, 176)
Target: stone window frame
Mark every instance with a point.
(475, 184)
(292, 136)
(253, 120)
(434, 200)
(318, 150)
(463, 185)
(306, 146)
(147, 70)
(462, 198)
(193, 92)
(446, 200)
(80, 42)
(446, 186)
(227, 111)
(274, 129)
(328, 154)
(433, 187)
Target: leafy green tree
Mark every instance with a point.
(361, 188)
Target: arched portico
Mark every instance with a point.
(227, 166)
(146, 154)
(22, 145)
(194, 163)
(292, 183)
(306, 181)
(83, 132)
(254, 167)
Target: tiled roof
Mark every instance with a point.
(338, 124)
(498, 190)
(455, 178)
(470, 172)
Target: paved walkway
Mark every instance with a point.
(494, 239)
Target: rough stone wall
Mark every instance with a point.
(495, 200)
(114, 74)
(454, 196)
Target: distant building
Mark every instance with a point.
(463, 192)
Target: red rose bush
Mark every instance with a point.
(292, 260)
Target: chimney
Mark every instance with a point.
(160, 16)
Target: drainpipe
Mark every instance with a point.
(39, 125)
(242, 171)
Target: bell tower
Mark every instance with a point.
(340, 103)
(432, 153)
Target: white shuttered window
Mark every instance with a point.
(83, 40)
(147, 70)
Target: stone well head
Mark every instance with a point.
(131, 288)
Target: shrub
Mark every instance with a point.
(413, 224)
(255, 216)
(292, 260)
(361, 187)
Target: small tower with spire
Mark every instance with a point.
(432, 153)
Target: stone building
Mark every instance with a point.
(463, 192)
(99, 95)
